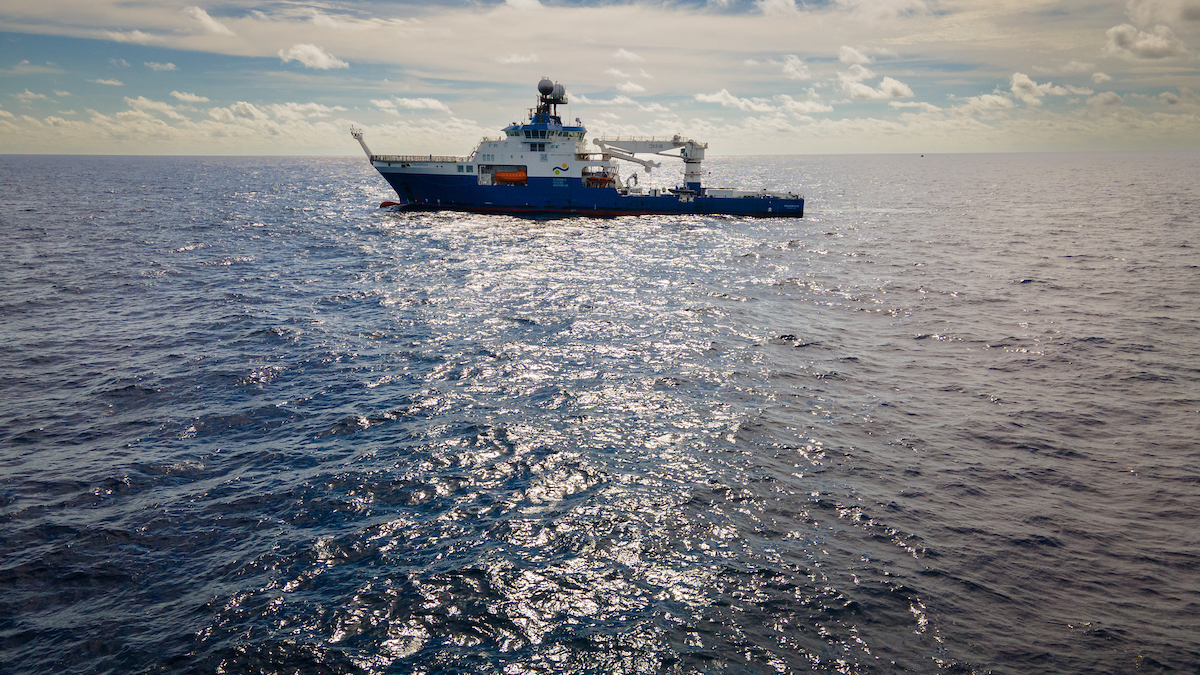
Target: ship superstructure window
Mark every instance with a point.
(537, 147)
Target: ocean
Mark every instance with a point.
(947, 422)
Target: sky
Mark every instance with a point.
(162, 77)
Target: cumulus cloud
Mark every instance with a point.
(626, 55)
(857, 73)
(616, 100)
(1131, 43)
(630, 87)
(133, 36)
(27, 68)
(111, 83)
(1185, 96)
(189, 98)
(925, 107)
(888, 88)
(239, 110)
(982, 105)
(143, 103)
(207, 22)
(517, 58)
(61, 93)
(312, 56)
(1101, 78)
(794, 68)
(524, 5)
(1024, 88)
(852, 55)
(391, 105)
(159, 66)
(1070, 67)
(1146, 12)
(777, 7)
(803, 107)
(29, 97)
(300, 111)
(884, 9)
(852, 84)
(1105, 99)
(730, 101)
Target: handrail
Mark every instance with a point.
(420, 158)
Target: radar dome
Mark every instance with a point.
(558, 92)
(545, 87)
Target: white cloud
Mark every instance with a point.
(925, 107)
(794, 68)
(239, 110)
(524, 5)
(4, 113)
(133, 36)
(111, 83)
(852, 55)
(982, 105)
(630, 88)
(1101, 78)
(390, 105)
(777, 7)
(1031, 92)
(312, 56)
(207, 22)
(159, 66)
(626, 55)
(120, 63)
(28, 97)
(143, 103)
(27, 68)
(1105, 99)
(888, 88)
(1131, 43)
(517, 58)
(616, 100)
(1185, 95)
(1068, 68)
(884, 9)
(654, 107)
(616, 73)
(189, 98)
(1146, 12)
(730, 101)
(61, 93)
(1079, 91)
(857, 73)
(803, 107)
(300, 111)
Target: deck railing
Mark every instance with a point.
(445, 159)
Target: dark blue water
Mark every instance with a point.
(947, 422)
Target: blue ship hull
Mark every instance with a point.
(569, 196)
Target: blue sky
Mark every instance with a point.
(746, 76)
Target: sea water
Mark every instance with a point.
(948, 421)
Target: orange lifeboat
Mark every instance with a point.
(598, 180)
(511, 177)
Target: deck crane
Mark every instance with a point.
(691, 152)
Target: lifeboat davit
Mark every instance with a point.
(511, 177)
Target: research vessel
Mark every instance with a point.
(544, 167)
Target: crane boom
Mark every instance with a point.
(691, 152)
